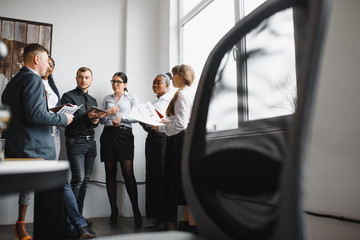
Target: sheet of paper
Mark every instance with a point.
(69, 109)
(146, 113)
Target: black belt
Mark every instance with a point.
(120, 127)
(125, 127)
(87, 138)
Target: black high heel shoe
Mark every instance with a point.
(138, 218)
(114, 217)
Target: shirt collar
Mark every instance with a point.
(80, 91)
(33, 71)
(126, 93)
(165, 96)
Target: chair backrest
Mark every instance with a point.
(246, 182)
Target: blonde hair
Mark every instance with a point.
(187, 74)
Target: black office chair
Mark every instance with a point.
(246, 182)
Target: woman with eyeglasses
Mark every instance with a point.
(117, 144)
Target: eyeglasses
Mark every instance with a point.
(116, 82)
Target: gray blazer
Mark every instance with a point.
(29, 133)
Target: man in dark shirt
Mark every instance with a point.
(80, 143)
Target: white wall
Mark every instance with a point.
(107, 36)
(333, 174)
(142, 39)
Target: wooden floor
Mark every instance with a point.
(100, 226)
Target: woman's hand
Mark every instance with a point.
(116, 121)
(112, 110)
(156, 128)
(164, 120)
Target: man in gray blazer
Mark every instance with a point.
(29, 134)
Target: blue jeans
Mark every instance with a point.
(74, 219)
(81, 154)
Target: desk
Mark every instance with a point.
(46, 178)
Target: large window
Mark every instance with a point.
(204, 23)
(256, 79)
(204, 29)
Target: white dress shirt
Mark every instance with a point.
(181, 118)
(162, 103)
(52, 97)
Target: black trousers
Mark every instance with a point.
(155, 160)
(173, 189)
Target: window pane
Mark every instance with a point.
(268, 89)
(223, 108)
(202, 33)
(271, 68)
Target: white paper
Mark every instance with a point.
(146, 113)
(69, 109)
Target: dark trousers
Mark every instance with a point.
(155, 157)
(81, 154)
(173, 190)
